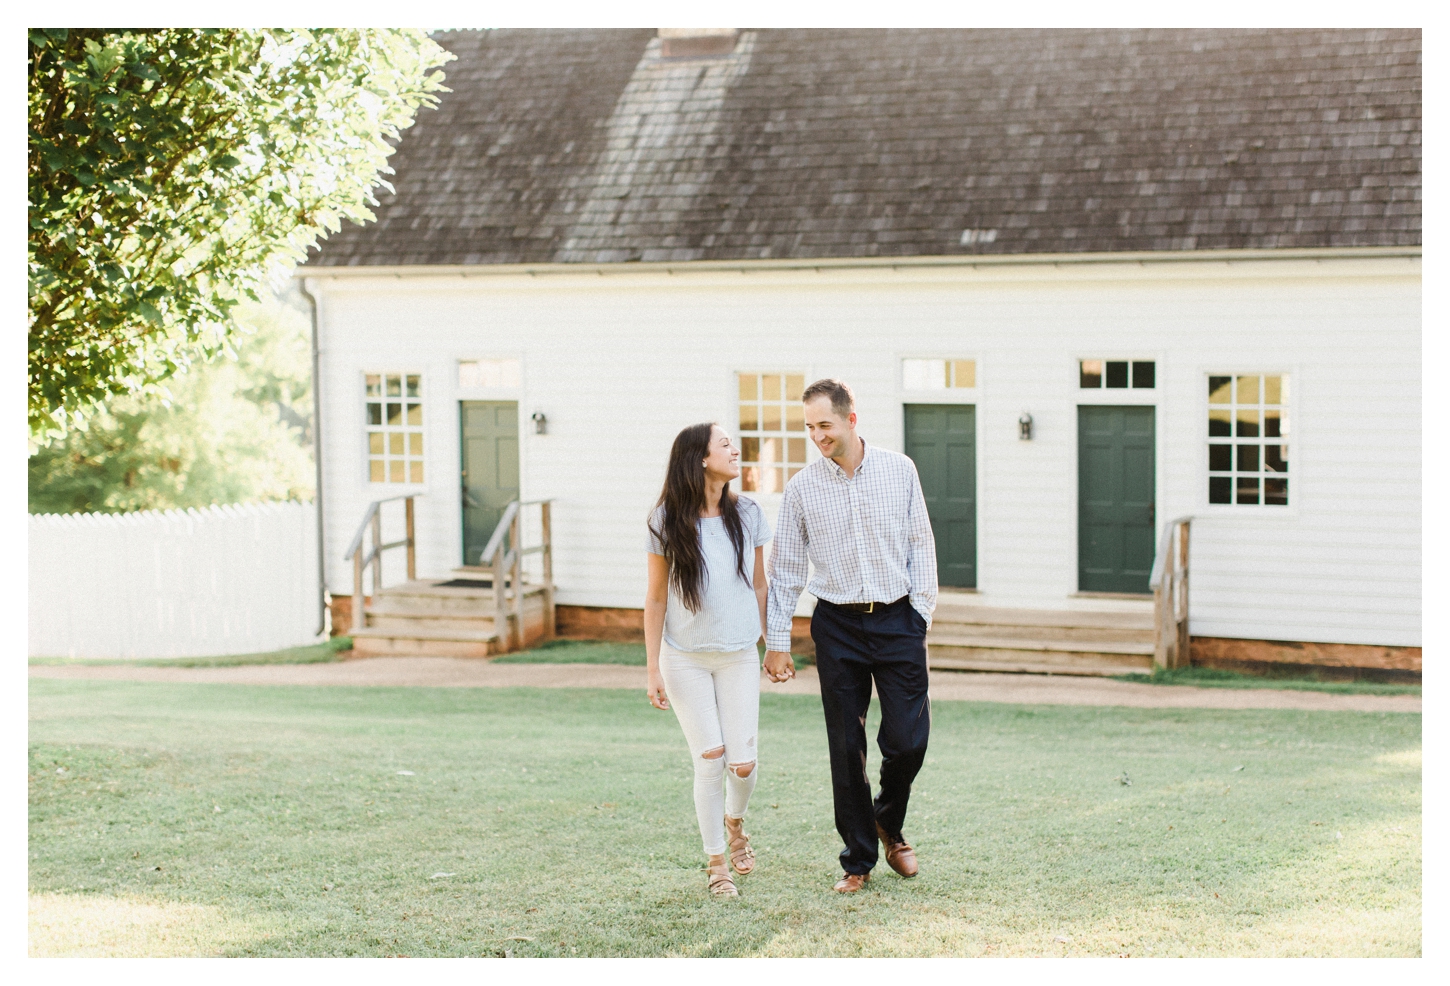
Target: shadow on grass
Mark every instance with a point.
(1216, 678)
(322, 653)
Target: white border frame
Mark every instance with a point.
(943, 395)
(1260, 511)
(1118, 395)
(395, 489)
(732, 416)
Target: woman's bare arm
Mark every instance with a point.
(656, 598)
(760, 584)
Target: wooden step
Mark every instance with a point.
(1011, 665)
(419, 642)
(1039, 661)
(484, 576)
(422, 617)
(1084, 635)
(1039, 644)
(407, 620)
(426, 596)
(951, 611)
(966, 635)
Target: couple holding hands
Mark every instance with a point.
(857, 515)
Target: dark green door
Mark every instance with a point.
(1114, 498)
(490, 469)
(942, 440)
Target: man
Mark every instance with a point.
(859, 516)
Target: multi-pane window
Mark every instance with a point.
(1095, 374)
(772, 430)
(938, 374)
(1248, 424)
(395, 427)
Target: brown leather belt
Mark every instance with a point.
(862, 607)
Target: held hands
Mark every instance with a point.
(779, 666)
(655, 689)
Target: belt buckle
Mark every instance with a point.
(871, 607)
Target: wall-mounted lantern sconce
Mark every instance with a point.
(541, 423)
(1024, 427)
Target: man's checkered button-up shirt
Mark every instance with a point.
(868, 536)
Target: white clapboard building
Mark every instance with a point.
(1092, 282)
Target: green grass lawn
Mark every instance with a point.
(609, 652)
(578, 652)
(232, 820)
(322, 653)
(599, 652)
(1218, 678)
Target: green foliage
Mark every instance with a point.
(237, 820)
(233, 430)
(172, 171)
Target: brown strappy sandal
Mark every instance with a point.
(720, 884)
(742, 857)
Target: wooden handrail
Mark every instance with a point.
(508, 569)
(504, 554)
(495, 542)
(1170, 595)
(362, 527)
(373, 521)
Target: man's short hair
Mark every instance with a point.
(842, 398)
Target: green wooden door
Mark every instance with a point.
(942, 440)
(1115, 497)
(490, 469)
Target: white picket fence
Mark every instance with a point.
(235, 579)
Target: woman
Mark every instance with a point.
(703, 613)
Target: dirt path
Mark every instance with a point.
(447, 672)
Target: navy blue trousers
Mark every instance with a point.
(852, 649)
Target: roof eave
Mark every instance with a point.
(838, 263)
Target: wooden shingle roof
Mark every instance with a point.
(588, 146)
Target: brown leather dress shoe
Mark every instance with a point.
(851, 882)
(899, 854)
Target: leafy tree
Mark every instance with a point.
(173, 171)
(226, 431)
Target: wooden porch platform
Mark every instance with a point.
(1092, 636)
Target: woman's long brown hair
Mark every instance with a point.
(683, 499)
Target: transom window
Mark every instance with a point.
(772, 430)
(1248, 422)
(394, 427)
(1095, 374)
(489, 373)
(938, 374)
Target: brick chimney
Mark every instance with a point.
(695, 42)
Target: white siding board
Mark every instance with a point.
(620, 363)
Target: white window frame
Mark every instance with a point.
(1294, 440)
(937, 395)
(739, 434)
(405, 430)
(1122, 396)
(482, 393)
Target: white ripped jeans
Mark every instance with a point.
(716, 697)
